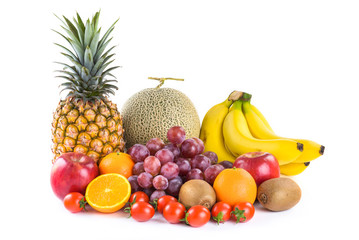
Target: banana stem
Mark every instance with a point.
(162, 80)
(238, 95)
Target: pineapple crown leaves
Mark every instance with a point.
(86, 76)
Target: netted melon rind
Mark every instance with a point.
(151, 112)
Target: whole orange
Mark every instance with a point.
(234, 185)
(117, 163)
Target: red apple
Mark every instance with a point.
(261, 165)
(72, 172)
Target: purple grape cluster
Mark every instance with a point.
(162, 169)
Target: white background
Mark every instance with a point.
(299, 59)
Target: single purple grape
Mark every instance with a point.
(195, 174)
(165, 156)
(212, 156)
(212, 172)
(138, 168)
(189, 148)
(201, 162)
(152, 165)
(145, 180)
(170, 170)
(176, 135)
(226, 164)
(184, 167)
(154, 144)
(174, 186)
(138, 152)
(160, 182)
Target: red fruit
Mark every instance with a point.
(74, 202)
(174, 212)
(243, 212)
(261, 165)
(72, 172)
(197, 216)
(142, 211)
(221, 212)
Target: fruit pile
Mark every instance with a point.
(158, 173)
(218, 172)
(161, 168)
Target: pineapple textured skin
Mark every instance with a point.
(94, 129)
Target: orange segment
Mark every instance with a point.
(108, 192)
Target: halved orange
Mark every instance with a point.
(108, 193)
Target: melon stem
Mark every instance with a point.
(162, 80)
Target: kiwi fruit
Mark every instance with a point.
(197, 192)
(279, 194)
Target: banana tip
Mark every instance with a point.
(300, 146)
(321, 151)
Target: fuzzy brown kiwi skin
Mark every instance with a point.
(279, 194)
(197, 192)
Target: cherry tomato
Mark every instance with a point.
(163, 201)
(142, 211)
(139, 197)
(221, 212)
(197, 216)
(243, 212)
(74, 202)
(174, 212)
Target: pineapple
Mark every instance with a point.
(86, 121)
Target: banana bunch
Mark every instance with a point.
(235, 127)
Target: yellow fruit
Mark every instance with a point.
(235, 185)
(108, 193)
(119, 162)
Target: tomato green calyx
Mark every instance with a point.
(154, 203)
(185, 218)
(218, 218)
(83, 203)
(239, 214)
(128, 209)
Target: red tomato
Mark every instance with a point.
(139, 197)
(74, 202)
(198, 216)
(163, 201)
(142, 211)
(174, 212)
(243, 212)
(221, 212)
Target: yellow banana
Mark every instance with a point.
(239, 139)
(292, 169)
(258, 126)
(211, 131)
(261, 116)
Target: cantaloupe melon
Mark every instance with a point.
(152, 111)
